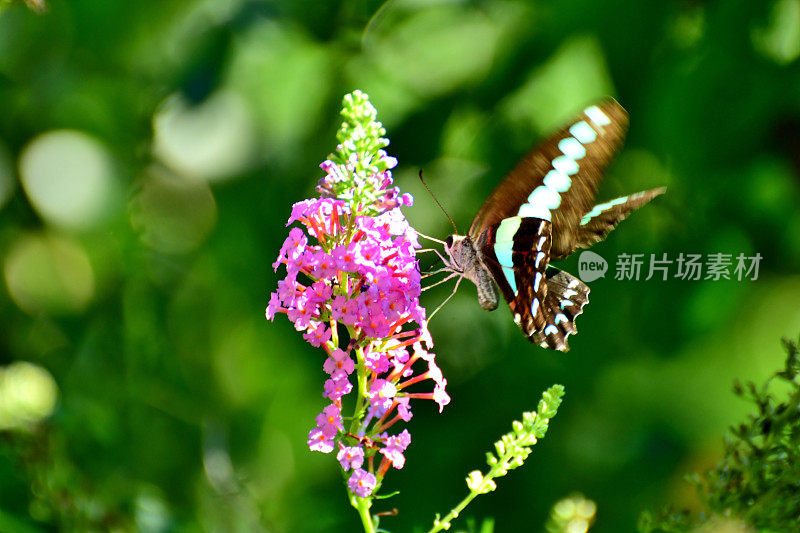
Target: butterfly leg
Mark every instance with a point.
(444, 260)
(437, 252)
(458, 282)
(437, 271)
(443, 280)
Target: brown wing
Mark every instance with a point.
(603, 218)
(516, 252)
(543, 300)
(580, 151)
(566, 297)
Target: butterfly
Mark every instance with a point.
(544, 210)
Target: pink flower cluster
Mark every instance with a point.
(356, 294)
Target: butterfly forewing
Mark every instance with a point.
(558, 180)
(597, 223)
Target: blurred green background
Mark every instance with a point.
(149, 155)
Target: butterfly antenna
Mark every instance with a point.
(437, 202)
(430, 239)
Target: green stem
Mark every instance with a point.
(362, 505)
(486, 485)
(361, 371)
(453, 514)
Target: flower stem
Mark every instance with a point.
(512, 450)
(362, 505)
(444, 523)
(361, 372)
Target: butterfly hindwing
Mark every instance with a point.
(558, 180)
(516, 252)
(566, 296)
(543, 300)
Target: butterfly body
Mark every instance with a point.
(544, 210)
(467, 260)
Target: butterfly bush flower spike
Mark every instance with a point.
(510, 452)
(352, 287)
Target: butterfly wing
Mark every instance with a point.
(544, 209)
(558, 180)
(597, 223)
(566, 296)
(516, 253)
(543, 300)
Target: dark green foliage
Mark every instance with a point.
(473, 526)
(181, 409)
(758, 480)
(665, 521)
(62, 494)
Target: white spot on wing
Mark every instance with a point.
(558, 181)
(507, 229)
(509, 274)
(565, 165)
(600, 208)
(534, 211)
(583, 132)
(619, 201)
(545, 196)
(597, 116)
(503, 252)
(571, 148)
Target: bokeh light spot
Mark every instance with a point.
(212, 141)
(151, 512)
(434, 51)
(284, 76)
(572, 515)
(172, 214)
(68, 177)
(779, 40)
(689, 26)
(28, 394)
(48, 274)
(575, 75)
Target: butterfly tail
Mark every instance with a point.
(566, 297)
(598, 223)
